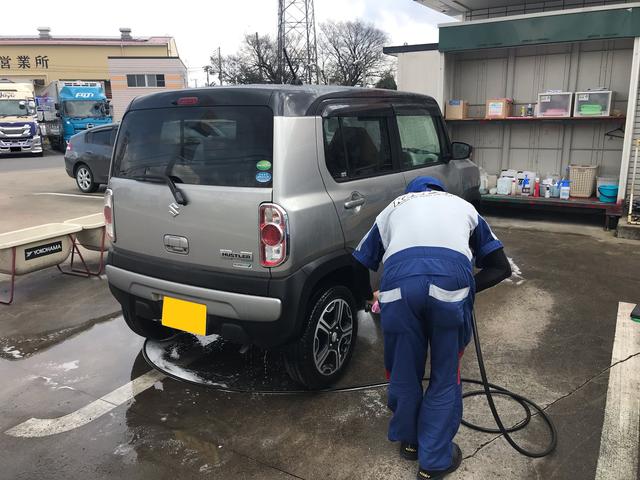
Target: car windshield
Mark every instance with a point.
(12, 108)
(227, 146)
(84, 108)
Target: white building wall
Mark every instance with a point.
(422, 72)
(175, 74)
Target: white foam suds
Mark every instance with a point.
(174, 353)
(14, 352)
(516, 273)
(155, 353)
(158, 386)
(69, 365)
(204, 341)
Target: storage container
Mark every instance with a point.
(583, 180)
(594, 103)
(456, 110)
(606, 181)
(552, 104)
(608, 193)
(499, 108)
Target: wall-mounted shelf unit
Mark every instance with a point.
(538, 119)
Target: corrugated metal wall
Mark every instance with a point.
(521, 73)
(636, 136)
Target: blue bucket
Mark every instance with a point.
(608, 193)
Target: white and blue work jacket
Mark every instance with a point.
(425, 233)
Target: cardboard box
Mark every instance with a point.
(456, 110)
(499, 108)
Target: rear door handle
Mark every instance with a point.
(356, 200)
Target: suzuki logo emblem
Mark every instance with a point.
(174, 209)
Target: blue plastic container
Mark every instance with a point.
(608, 193)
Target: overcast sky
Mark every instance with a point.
(203, 25)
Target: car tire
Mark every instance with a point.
(147, 328)
(320, 357)
(39, 154)
(84, 179)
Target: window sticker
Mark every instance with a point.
(263, 165)
(263, 177)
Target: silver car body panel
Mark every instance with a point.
(223, 304)
(216, 218)
(314, 228)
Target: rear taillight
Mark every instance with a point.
(274, 238)
(108, 214)
(69, 148)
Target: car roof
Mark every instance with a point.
(284, 100)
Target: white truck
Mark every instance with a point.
(19, 130)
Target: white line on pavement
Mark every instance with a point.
(619, 442)
(69, 195)
(43, 427)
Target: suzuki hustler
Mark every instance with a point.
(234, 210)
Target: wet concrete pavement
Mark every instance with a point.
(548, 334)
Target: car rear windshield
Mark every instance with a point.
(225, 146)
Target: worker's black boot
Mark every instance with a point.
(438, 474)
(409, 451)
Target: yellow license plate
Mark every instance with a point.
(182, 315)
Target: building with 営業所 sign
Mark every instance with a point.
(128, 66)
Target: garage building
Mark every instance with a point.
(517, 50)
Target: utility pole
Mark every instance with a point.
(297, 36)
(220, 66)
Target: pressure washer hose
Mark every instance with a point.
(489, 390)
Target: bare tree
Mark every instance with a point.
(255, 62)
(351, 53)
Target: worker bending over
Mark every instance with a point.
(428, 240)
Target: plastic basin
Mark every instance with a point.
(608, 193)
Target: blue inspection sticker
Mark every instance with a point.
(263, 177)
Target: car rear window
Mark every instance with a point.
(225, 146)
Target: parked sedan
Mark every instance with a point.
(88, 155)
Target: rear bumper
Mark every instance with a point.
(264, 311)
(244, 309)
(230, 305)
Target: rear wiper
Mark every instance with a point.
(178, 195)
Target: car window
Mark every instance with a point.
(112, 138)
(419, 140)
(220, 145)
(101, 137)
(357, 147)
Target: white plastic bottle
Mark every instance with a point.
(513, 186)
(565, 190)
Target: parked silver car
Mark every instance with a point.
(234, 210)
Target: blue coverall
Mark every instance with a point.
(427, 240)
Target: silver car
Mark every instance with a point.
(234, 210)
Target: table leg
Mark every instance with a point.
(13, 278)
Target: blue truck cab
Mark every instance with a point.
(68, 108)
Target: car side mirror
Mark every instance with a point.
(460, 150)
